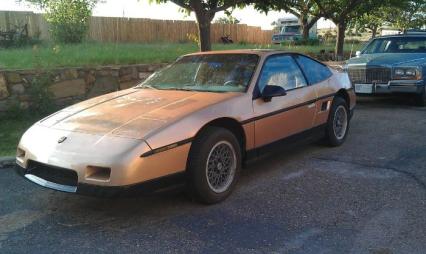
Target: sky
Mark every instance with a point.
(143, 9)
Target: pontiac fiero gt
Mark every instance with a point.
(196, 121)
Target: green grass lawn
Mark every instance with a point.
(11, 131)
(89, 54)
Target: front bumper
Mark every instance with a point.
(147, 187)
(400, 86)
(85, 162)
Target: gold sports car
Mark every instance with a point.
(195, 122)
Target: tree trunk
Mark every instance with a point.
(374, 31)
(341, 28)
(204, 32)
(304, 25)
(204, 20)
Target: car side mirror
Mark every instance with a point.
(358, 53)
(271, 91)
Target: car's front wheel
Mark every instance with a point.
(214, 165)
(338, 122)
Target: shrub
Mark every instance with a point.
(329, 36)
(193, 38)
(69, 19)
(308, 42)
(14, 111)
(41, 98)
(41, 101)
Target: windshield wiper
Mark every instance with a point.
(179, 89)
(147, 86)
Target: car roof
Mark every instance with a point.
(259, 52)
(402, 35)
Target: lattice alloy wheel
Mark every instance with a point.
(214, 164)
(338, 122)
(221, 166)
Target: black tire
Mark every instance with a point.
(421, 98)
(199, 185)
(332, 134)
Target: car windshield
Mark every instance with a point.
(209, 73)
(291, 29)
(397, 45)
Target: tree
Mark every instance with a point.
(341, 12)
(205, 10)
(306, 11)
(371, 21)
(228, 19)
(408, 15)
(402, 14)
(40, 3)
(68, 19)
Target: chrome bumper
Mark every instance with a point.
(50, 185)
(400, 86)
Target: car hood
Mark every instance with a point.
(388, 59)
(132, 113)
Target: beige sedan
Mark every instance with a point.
(195, 122)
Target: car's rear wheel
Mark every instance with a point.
(338, 122)
(421, 98)
(214, 165)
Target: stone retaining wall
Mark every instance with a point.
(70, 85)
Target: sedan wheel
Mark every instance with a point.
(220, 167)
(214, 164)
(338, 122)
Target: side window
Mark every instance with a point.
(315, 72)
(281, 70)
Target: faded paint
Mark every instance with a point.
(114, 130)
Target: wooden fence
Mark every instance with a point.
(110, 29)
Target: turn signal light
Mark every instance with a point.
(20, 153)
(98, 173)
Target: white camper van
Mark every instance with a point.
(290, 29)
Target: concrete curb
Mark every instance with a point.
(7, 162)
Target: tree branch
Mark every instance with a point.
(292, 11)
(182, 4)
(312, 22)
(213, 4)
(322, 10)
(350, 7)
(228, 5)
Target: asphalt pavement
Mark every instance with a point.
(367, 196)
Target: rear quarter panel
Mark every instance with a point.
(326, 91)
